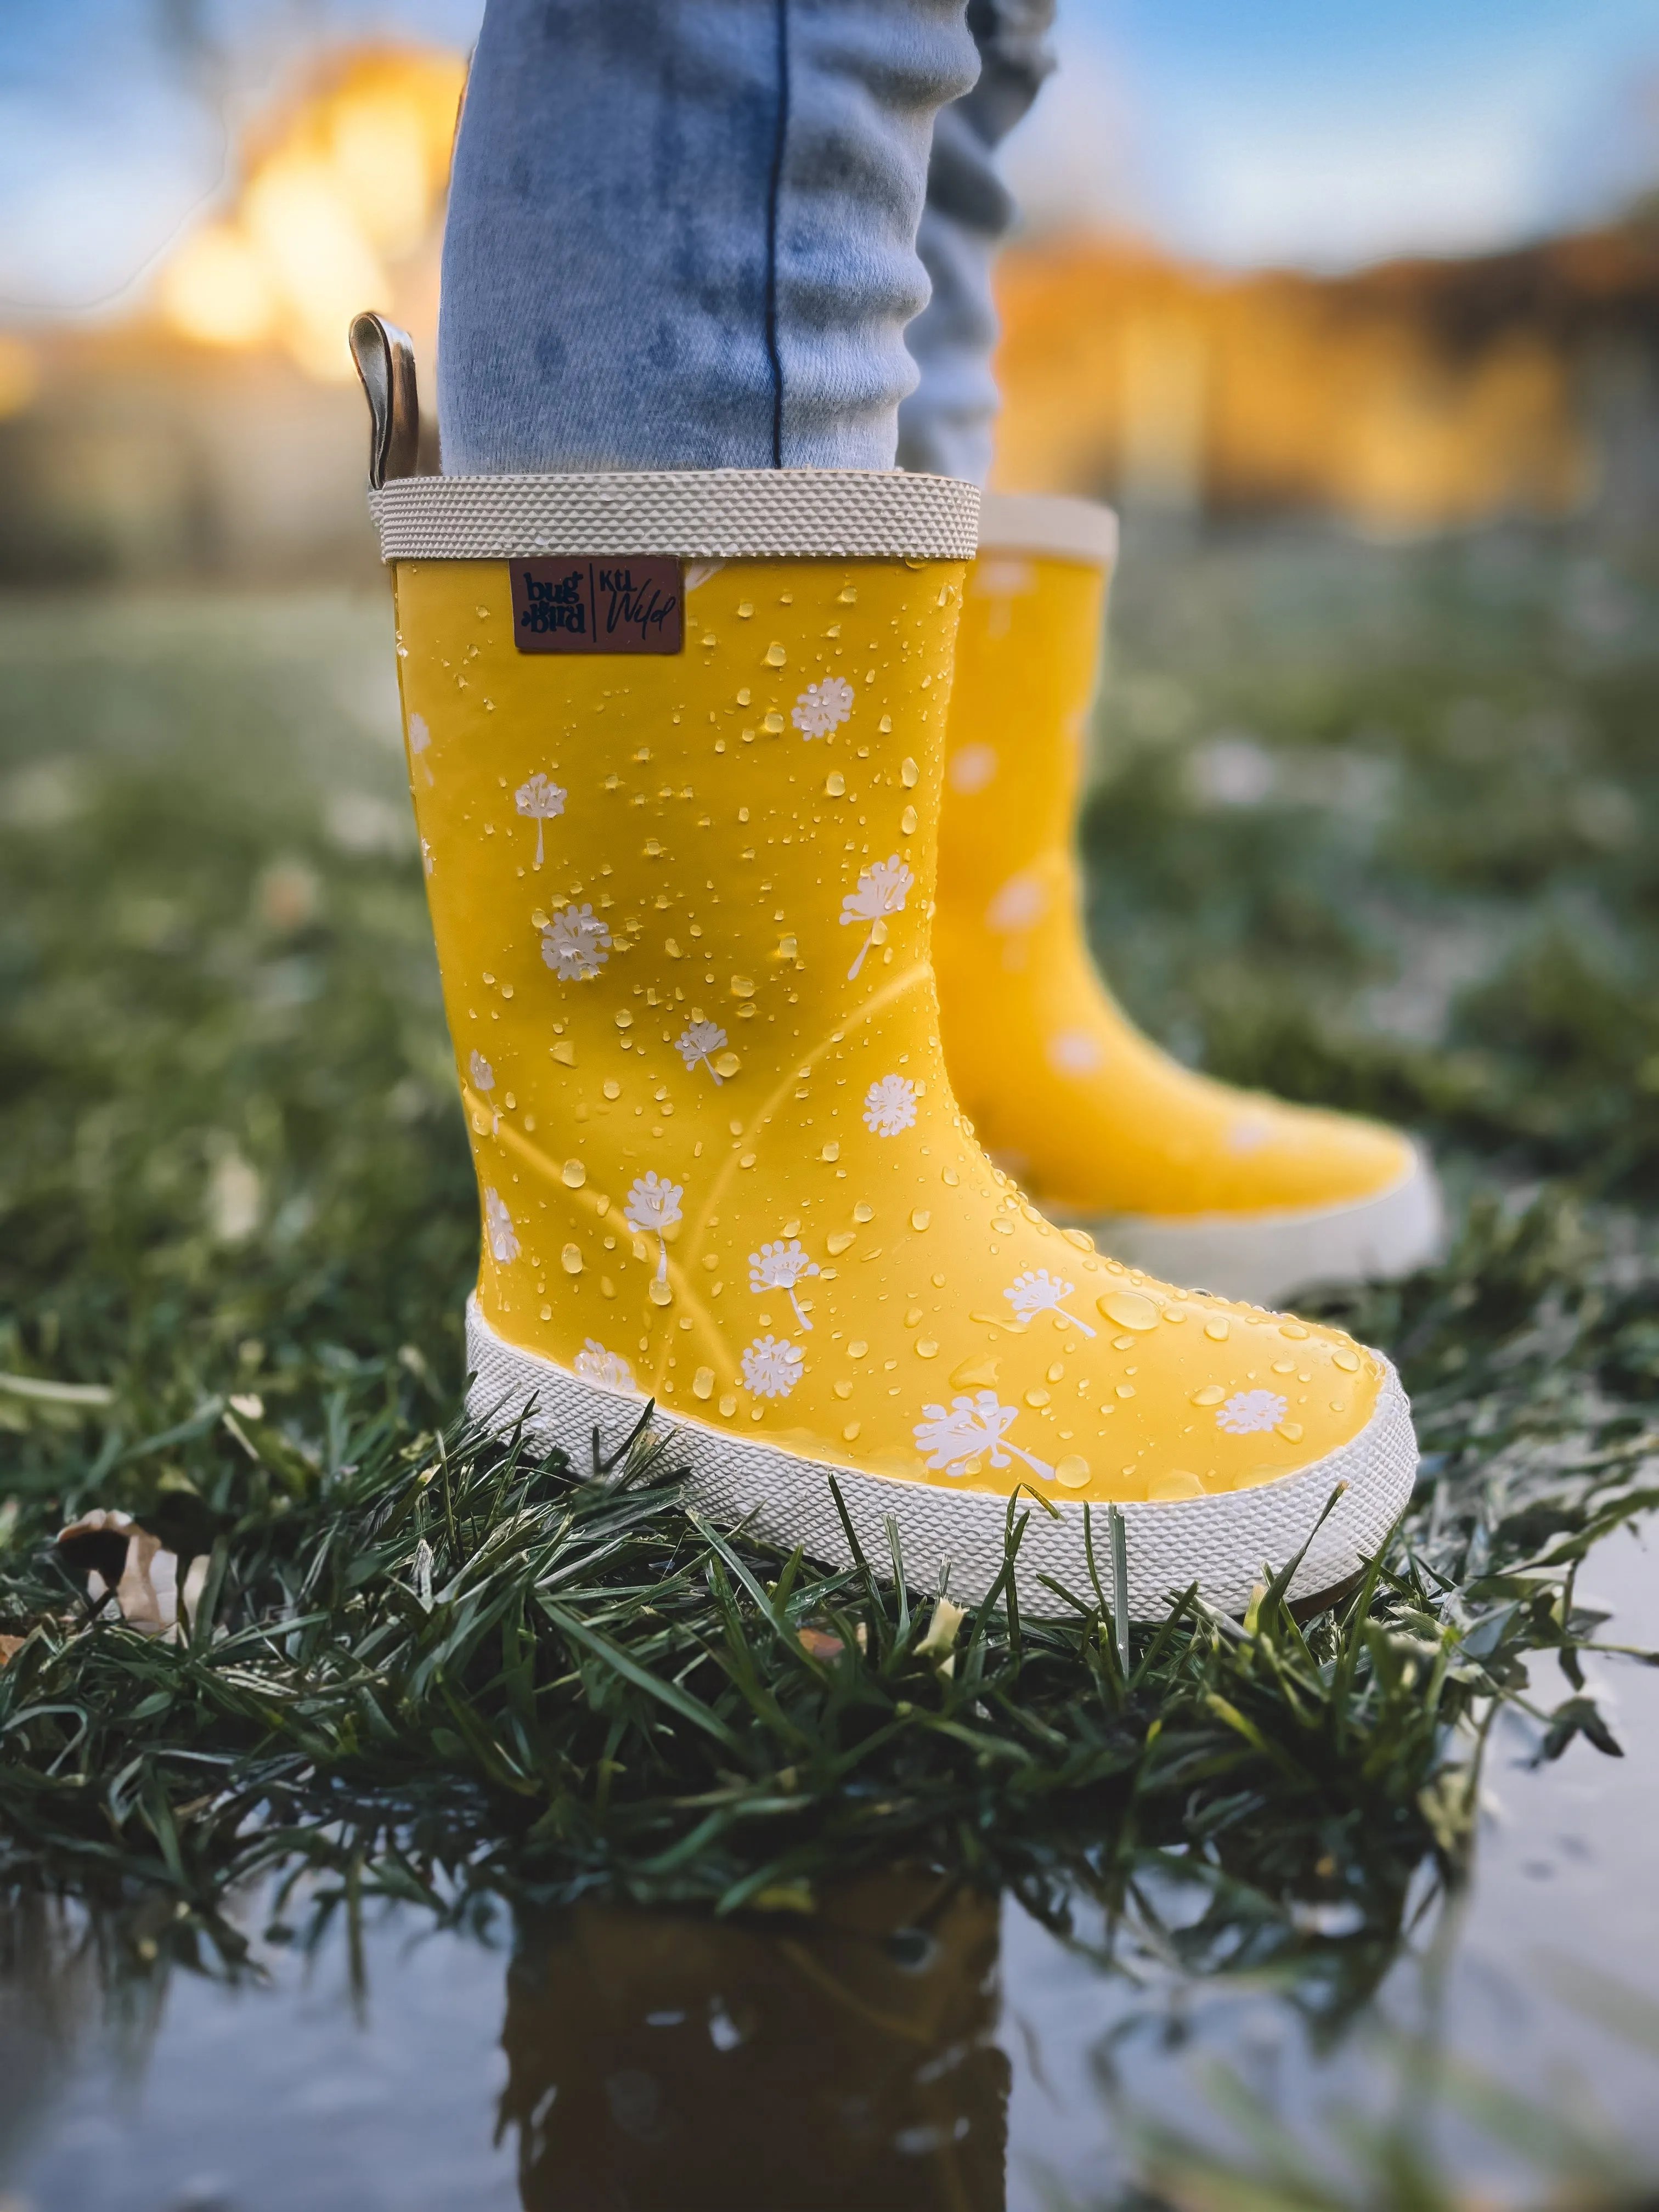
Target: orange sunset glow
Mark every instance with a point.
(343, 194)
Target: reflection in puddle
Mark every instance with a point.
(661, 2060)
(907, 2047)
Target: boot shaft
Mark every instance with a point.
(1028, 664)
(682, 905)
(741, 836)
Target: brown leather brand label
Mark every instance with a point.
(631, 604)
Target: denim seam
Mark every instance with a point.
(775, 188)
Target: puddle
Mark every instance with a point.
(904, 2050)
(1514, 2044)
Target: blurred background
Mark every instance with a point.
(1398, 267)
(1355, 312)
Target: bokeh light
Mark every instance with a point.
(350, 184)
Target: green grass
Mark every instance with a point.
(231, 1169)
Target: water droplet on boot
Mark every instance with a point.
(1128, 1310)
(1177, 1483)
(575, 1174)
(975, 1375)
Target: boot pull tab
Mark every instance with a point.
(384, 356)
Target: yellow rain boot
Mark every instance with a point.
(1175, 1172)
(681, 903)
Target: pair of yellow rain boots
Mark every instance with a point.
(682, 888)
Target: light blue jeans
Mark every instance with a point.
(730, 234)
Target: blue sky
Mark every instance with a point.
(1318, 132)
(1329, 132)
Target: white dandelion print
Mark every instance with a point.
(652, 1206)
(1250, 1136)
(890, 1105)
(882, 891)
(483, 1079)
(974, 1428)
(698, 1042)
(608, 1369)
(541, 800)
(498, 1227)
(779, 1266)
(823, 706)
(1247, 1412)
(772, 1366)
(420, 737)
(972, 768)
(1074, 1052)
(1020, 904)
(1038, 1292)
(576, 944)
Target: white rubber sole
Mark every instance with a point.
(1266, 1258)
(1224, 1543)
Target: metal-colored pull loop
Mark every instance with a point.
(384, 356)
